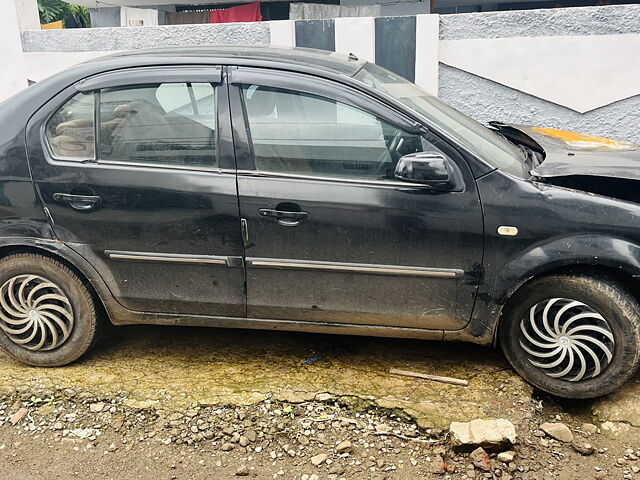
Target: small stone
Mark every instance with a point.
(558, 430)
(583, 448)
(507, 457)
(251, 435)
(491, 435)
(242, 471)
(19, 415)
(46, 409)
(227, 447)
(344, 447)
(383, 428)
(600, 475)
(589, 428)
(244, 441)
(112, 448)
(438, 465)
(480, 459)
(303, 440)
(96, 407)
(318, 460)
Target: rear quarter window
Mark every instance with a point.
(70, 131)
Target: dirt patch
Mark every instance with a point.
(175, 368)
(155, 402)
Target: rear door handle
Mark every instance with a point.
(78, 202)
(284, 217)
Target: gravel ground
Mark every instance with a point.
(166, 403)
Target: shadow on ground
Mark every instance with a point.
(178, 367)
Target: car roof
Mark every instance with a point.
(338, 63)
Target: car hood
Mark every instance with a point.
(569, 153)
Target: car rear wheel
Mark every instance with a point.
(573, 336)
(47, 315)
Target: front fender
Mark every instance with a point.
(556, 227)
(580, 250)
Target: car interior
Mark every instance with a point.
(137, 126)
(306, 134)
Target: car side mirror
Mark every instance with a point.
(427, 168)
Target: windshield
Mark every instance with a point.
(483, 142)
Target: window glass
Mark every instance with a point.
(170, 123)
(70, 131)
(307, 134)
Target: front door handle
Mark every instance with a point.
(284, 217)
(78, 202)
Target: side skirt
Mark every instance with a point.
(289, 325)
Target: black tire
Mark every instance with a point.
(83, 328)
(604, 296)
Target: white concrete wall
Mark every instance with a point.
(13, 77)
(572, 68)
(28, 17)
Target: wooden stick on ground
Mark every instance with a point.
(433, 378)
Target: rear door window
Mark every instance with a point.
(168, 124)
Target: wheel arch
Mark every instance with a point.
(59, 252)
(618, 274)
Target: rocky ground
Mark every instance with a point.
(179, 403)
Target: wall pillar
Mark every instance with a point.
(13, 78)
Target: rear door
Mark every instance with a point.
(149, 195)
(331, 235)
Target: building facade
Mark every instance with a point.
(574, 68)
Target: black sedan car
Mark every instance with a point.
(306, 190)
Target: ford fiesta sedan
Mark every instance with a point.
(304, 190)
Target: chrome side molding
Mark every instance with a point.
(173, 258)
(355, 268)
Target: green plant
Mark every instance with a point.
(81, 14)
(54, 10)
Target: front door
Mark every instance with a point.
(331, 235)
(137, 172)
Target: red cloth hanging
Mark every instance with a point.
(242, 13)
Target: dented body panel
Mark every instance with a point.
(569, 153)
(558, 228)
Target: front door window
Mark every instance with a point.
(306, 134)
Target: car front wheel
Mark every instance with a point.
(47, 314)
(573, 336)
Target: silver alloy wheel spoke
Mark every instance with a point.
(556, 334)
(35, 313)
